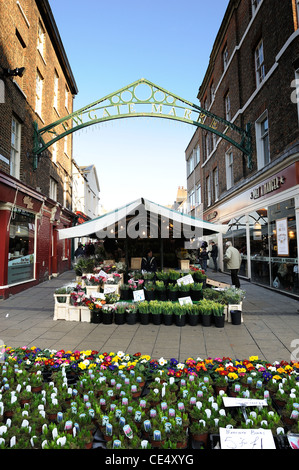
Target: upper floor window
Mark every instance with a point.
(53, 189)
(216, 183)
(38, 93)
(54, 152)
(66, 98)
(15, 151)
(190, 164)
(229, 160)
(208, 144)
(196, 155)
(209, 192)
(225, 57)
(228, 114)
(255, 4)
(212, 92)
(56, 88)
(259, 63)
(262, 141)
(198, 194)
(41, 39)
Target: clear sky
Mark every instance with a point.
(111, 44)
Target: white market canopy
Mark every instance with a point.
(151, 220)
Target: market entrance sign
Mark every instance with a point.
(142, 99)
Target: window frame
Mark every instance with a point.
(260, 141)
(216, 183)
(227, 104)
(259, 65)
(225, 59)
(229, 169)
(209, 190)
(56, 91)
(15, 148)
(39, 93)
(53, 186)
(255, 5)
(41, 39)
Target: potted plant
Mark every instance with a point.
(107, 311)
(192, 312)
(62, 294)
(174, 275)
(150, 290)
(206, 309)
(173, 292)
(120, 313)
(219, 315)
(144, 312)
(131, 313)
(161, 290)
(196, 291)
(179, 315)
(148, 277)
(184, 290)
(125, 292)
(167, 313)
(96, 312)
(162, 276)
(156, 308)
(199, 432)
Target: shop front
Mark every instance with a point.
(28, 225)
(263, 227)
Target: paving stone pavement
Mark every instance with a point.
(270, 328)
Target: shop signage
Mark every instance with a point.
(282, 237)
(267, 187)
(212, 215)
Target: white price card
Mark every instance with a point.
(185, 280)
(232, 401)
(185, 300)
(138, 295)
(239, 439)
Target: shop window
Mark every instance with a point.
(21, 247)
(15, 150)
(259, 246)
(283, 246)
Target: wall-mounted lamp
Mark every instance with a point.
(18, 72)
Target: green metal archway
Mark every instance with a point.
(142, 99)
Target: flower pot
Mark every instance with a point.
(162, 295)
(125, 294)
(131, 318)
(74, 313)
(120, 318)
(173, 295)
(206, 320)
(180, 320)
(149, 295)
(219, 321)
(168, 319)
(96, 316)
(196, 295)
(144, 318)
(36, 389)
(193, 320)
(107, 318)
(236, 317)
(201, 438)
(156, 318)
(85, 314)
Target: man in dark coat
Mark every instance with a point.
(149, 263)
(214, 254)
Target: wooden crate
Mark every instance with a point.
(184, 264)
(136, 263)
(211, 282)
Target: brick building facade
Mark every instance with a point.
(250, 80)
(37, 87)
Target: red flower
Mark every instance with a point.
(138, 354)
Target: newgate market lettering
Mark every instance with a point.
(268, 187)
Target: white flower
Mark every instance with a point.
(180, 365)
(162, 361)
(120, 354)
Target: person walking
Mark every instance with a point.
(214, 255)
(203, 258)
(232, 258)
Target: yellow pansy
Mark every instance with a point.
(233, 375)
(253, 358)
(276, 377)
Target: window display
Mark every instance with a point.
(21, 247)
